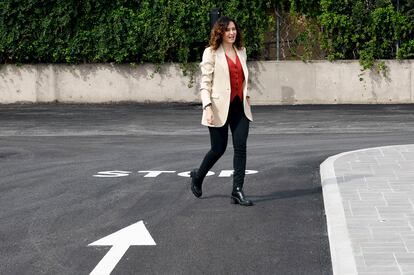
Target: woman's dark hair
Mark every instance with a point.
(218, 31)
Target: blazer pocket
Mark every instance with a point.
(215, 96)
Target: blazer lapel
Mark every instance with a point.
(243, 63)
(221, 59)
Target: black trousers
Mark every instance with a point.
(239, 126)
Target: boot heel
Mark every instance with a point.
(237, 197)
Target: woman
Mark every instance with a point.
(226, 103)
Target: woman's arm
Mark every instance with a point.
(207, 71)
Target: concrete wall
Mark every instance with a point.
(272, 82)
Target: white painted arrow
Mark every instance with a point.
(134, 234)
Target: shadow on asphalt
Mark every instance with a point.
(275, 195)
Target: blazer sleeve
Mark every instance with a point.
(207, 73)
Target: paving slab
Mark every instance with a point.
(368, 230)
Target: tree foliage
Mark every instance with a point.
(365, 30)
(72, 31)
(137, 31)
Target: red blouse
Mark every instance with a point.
(236, 78)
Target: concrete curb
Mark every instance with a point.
(342, 257)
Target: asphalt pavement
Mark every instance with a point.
(71, 175)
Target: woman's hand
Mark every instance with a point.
(209, 115)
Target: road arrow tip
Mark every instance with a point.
(134, 234)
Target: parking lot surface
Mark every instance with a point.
(71, 175)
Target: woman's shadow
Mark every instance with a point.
(277, 195)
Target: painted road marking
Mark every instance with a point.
(112, 174)
(121, 240)
(187, 174)
(229, 173)
(156, 173)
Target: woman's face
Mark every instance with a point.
(230, 33)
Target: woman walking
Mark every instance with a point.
(226, 103)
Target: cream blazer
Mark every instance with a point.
(215, 85)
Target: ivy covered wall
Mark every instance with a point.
(367, 29)
(73, 31)
(158, 31)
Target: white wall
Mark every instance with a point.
(271, 82)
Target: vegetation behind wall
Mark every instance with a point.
(138, 31)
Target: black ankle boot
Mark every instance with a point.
(195, 184)
(237, 197)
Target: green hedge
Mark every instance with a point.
(365, 30)
(122, 31)
(137, 31)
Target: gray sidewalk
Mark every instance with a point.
(369, 203)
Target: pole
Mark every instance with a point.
(397, 45)
(277, 33)
(214, 16)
